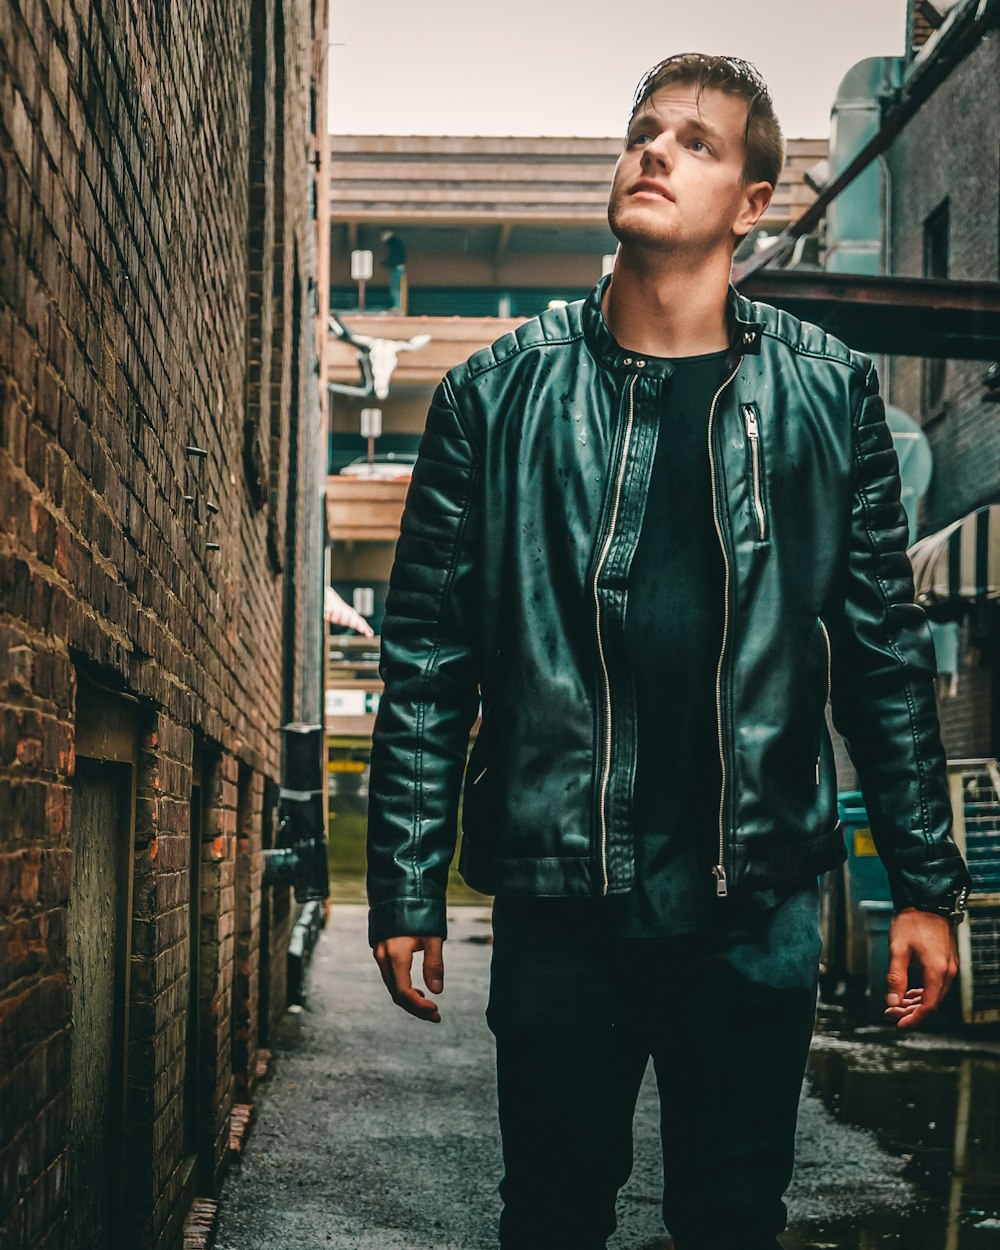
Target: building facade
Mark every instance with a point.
(942, 219)
(162, 175)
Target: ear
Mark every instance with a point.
(756, 197)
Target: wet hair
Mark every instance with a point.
(763, 142)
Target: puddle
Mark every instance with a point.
(932, 1102)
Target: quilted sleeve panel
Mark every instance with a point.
(431, 695)
(882, 695)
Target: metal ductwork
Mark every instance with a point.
(300, 856)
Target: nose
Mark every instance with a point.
(658, 154)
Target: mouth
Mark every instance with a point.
(644, 187)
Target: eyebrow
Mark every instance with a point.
(692, 123)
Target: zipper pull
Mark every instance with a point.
(719, 873)
(817, 770)
(750, 418)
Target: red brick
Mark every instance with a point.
(108, 369)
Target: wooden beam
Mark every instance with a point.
(364, 509)
(931, 317)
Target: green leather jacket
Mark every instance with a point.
(509, 588)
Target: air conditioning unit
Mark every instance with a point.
(975, 802)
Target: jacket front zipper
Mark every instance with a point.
(606, 771)
(753, 439)
(719, 870)
(829, 677)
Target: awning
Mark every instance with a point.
(962, 561)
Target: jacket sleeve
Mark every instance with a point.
(431, 696)
(882, 694)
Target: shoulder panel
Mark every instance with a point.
(806, 338)
(555, 325)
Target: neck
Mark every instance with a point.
(667, 310)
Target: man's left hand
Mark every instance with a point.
(928, 938)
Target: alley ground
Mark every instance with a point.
(376, 1132)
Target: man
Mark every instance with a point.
(655, 531)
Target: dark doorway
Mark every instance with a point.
(192, 1100)
(98, 927)
(199, 1069)
(242, 1036)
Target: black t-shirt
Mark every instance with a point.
(673, 635)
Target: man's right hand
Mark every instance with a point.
(394, 957)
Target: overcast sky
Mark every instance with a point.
(557, 67)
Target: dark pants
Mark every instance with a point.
(727, 1019)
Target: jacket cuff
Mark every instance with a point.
(407, 917)
(925, 882)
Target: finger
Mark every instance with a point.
(414, 1003)
(906, 1008)
(911, 999)
(411, 1000)
(912, 1019)
(385, 967)
(433, 968)
(915, 1010)
(933, 977)
(899, 959)
(896, 1014)
(914, 993)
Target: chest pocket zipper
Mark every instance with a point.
(752, 423)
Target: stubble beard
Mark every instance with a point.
(639, 236)
(657, 241)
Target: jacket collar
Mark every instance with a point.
(744, 335)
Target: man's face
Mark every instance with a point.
(692, 154)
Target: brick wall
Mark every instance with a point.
(960, 126)
(951, 149)
(141, 213)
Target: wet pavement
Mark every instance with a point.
(932, 1102)
(377, 1132)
